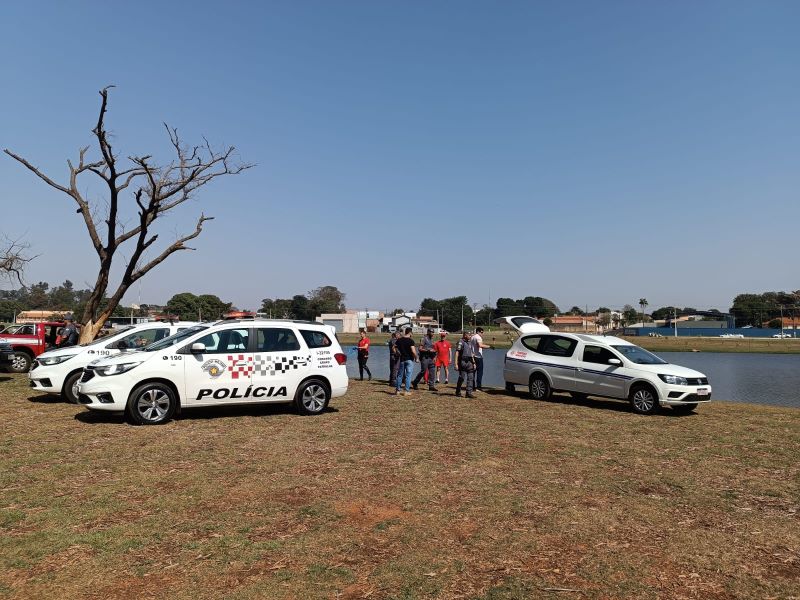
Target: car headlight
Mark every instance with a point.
(106, 370)
(54, 360)
(674, 380)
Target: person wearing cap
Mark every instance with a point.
(69, 336)
(427, 356)
(465, 364)
(443, 350)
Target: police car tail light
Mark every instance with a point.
(340, 358)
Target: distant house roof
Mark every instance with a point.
(571, 320)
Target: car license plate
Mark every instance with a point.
(702, 391)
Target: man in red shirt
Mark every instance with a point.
(443, 350)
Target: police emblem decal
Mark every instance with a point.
(214, 367)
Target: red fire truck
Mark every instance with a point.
(29, 341)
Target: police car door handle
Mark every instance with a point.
(240, 363)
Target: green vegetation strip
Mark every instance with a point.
(395, 497)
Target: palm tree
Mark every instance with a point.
(643, 303)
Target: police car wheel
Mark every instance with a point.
(312, 397)
(70, 389)
(151, 404)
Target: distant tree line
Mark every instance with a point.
(324, 299)
(40, 296)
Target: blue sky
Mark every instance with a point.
(592, 153)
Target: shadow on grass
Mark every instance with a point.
(5, 378)
(622, 406)
(47, 399)
(90, 417)
(243, 410)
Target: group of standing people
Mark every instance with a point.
(434, 359)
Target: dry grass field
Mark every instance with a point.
(428, 496)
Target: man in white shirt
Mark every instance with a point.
(477, 350)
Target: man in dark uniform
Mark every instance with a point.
(427, 359)
(465, 364)
(69, 337)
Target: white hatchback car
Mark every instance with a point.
(592, 365)
(237, 361)
(57, 371)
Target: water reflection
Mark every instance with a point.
(736, 377)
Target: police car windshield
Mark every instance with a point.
(105, 338)
(174, 339)
(640, 356)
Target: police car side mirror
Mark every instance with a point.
(615, 362)
(197, 348)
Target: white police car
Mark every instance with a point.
(592, 365)
(57, 371)
(237, 361)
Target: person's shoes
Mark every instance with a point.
(458, 395)
(369, 377)
(470, 395)
(415, 385)
(445, 381)
(432, 389)
(396, 393)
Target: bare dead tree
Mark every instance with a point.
(155, 189)
(13, 259)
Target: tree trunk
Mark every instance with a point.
(92, 327)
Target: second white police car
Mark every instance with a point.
(57, 371)
(593, 365)
(230, 362)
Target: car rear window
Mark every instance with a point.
(315, 339)
(532, 342)
(557, 346)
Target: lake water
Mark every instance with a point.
(736, 377)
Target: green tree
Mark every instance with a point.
(279, 308)
(301, 308)
(643, 304)
(629, 315)
(184, 305)
(211, 307)
(325, 299)
(62, 297)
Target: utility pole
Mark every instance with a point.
(675, 313)
(462, 317)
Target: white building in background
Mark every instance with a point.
(352, 321)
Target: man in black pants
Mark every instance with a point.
(427, 360)
(477, 351)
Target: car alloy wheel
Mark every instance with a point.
(312, 398)
(151, 404)
(539, 388)
(644, 401)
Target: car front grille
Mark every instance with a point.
(697, 381)
(87, 375)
